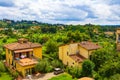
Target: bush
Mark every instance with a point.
(74, 71)
(2, 67)
(56, 63)
(87, 68)
(43, 66)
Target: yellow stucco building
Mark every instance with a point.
(75, 53)
(118, 39)
(23, 55)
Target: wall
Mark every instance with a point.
(37, 52)
(65, 51)
(61, 52)
(117, 42)
(83, 52)
(22, 69)
(9, 56)
(73, 48)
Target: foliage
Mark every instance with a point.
(74, 71)
(43, 66)
(63, 77)
(87, 68)
(51, 47)
(57, 63)
(100, 56)
(6, 76)
(2, 67)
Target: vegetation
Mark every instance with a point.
(104, 63)
(63, 77)
(87, 68)
(6, 76)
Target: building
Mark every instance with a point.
(75, 53)
(23, 55)
(118, 39)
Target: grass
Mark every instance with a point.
(5, 76)
(64, 76)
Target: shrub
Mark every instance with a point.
(74, 71)
(87, 68)
(57, 63)
(2, 67)
(44, 66)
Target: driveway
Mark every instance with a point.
(47, 76)
(44, 76)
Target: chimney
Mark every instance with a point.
(22, 40)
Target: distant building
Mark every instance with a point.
(22, 56)
(75, 53)
(118, 39)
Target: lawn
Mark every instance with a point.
(5, 76)
(64, 76)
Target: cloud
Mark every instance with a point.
(63, 11)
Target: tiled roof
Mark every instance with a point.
(86, 78)
(89, 45)
(18, 45)
(77, 58)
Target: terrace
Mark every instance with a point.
(27, 61)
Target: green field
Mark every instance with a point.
(64, 76)
(5, 76)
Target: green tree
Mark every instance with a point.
(51, 47)
(2, 67)
(43, 66)
(56, 63)
(99, 57)
(87, 68)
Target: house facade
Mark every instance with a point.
(118, 39)
(75, 53)
(23, 56)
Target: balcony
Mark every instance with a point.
(27, 61)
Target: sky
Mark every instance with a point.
(102, 12)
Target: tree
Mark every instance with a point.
(43, 66)
(51, 47)
(87, 68)
(2, 67)
(74, 71)
(99, 57)
(56, 63)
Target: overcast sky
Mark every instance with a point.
(62, 11)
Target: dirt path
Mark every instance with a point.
(47, 76)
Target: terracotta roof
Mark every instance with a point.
(78, 58)
(89, 45)
(18, 45)
(24, 50)
(86, 78)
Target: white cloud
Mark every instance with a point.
(64, 11)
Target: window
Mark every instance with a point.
(67, 53)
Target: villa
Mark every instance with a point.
(75, 53)
(23, 56)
